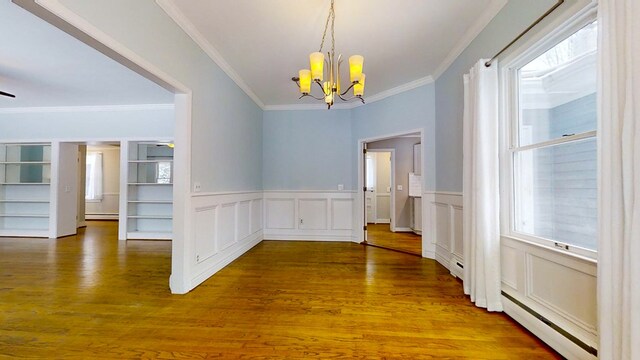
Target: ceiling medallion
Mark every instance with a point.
(326, 72)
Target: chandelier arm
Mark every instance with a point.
(351, 98)
(309, 95)
(349, 88)
(321, 88)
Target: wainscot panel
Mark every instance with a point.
(225, 226)
(308, 215)
(442, 224)
(559, 287)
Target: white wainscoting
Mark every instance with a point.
(442, 225)
(558, 286)
(308, 215)
(224, 226)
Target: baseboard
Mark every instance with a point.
(402, 229)
(101, 216)
(443, 260)
(383, 221)
(332, 238)
(544, 332)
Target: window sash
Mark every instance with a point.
(511, 115)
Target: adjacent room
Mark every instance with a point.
(286, 179)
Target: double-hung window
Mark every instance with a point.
(551, 149)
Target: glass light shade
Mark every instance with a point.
(316, 61)
(328, 93)
(355, 67)
(358, 89)
(305, 81)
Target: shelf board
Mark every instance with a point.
(24, 183)
(26, 162)
(34, 201)
(150, 201)
(148, 161)
(151, 217)
(144, 235)
(25, 215)
(150, 183)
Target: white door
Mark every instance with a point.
(370, 181)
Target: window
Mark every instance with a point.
(164, 172)
(93, 180)
(553, 144)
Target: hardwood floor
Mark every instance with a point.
(381, 235)
(91, 296)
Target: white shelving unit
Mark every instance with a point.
(25, 189)
(146, 205)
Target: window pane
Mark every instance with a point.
(558, 90)
(555, 192)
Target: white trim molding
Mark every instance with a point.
(347, 106)
(224, 226)
(187, 26)
(473, 31)
(442, 224)
(98, 108)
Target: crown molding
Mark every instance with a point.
(474, 30)
(347, 106)
(187, 26)
(399, 89)
(100, 108)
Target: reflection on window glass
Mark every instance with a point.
(557, 90)
(556, 192)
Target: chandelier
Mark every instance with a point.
(326, 71)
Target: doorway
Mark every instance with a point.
(392, 206)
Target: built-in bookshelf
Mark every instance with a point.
(25, 189)
(147, 212)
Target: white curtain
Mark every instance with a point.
(619, 182)
(93, 186)
(481, 211)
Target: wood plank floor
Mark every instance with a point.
(93, 297)
(381, 235)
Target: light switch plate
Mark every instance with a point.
(340, 187)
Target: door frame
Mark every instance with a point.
(55, 13)
(360, 233)
(392, 184)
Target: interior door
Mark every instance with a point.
(370, 184)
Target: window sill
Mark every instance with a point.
(550, 247)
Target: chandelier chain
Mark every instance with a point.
(332, 17)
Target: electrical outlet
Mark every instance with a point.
(340, 187)
(399, 187)
(197, 186)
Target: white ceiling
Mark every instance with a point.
(262, 44)
(44, 67)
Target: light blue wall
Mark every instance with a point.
(87, 125)
(307, 150)
(510, 21)
(227, 124)
(316, 149)
(411, 110)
